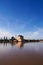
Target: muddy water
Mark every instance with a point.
(21, 54)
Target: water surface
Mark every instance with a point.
(21, 53)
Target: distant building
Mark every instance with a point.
(20, 38)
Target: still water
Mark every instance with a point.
(21, 53)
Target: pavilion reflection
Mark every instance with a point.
(20, 44)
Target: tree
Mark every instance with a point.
(12, 38)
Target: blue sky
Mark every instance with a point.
(21, 17)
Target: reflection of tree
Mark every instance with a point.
(5, 43)
(12, 44)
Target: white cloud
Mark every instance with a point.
(5, 33)
(38, 34)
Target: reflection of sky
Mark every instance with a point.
(27, 47)
(4, 49)
(21, 17)
(33, 47)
